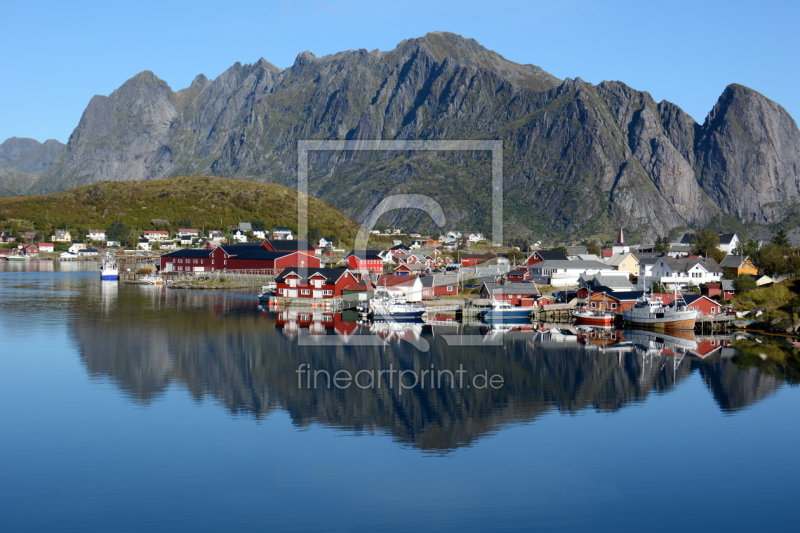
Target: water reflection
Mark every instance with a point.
(224, 346)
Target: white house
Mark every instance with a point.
(188, 232)
(239, 235)
(474, 237)
(680, 273)
(97, 235)
(259, 233)
(113, 244)
(46, 247)
(143, 244)
(156, 235)
(282, 233)
(325, 242)
(76, 247)
(563, 272)
(728, 242)
(409, 286)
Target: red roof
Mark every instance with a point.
(45, 244)
(157, 232)
(390, 280)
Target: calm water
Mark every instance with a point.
(129, 408)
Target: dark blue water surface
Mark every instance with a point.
(128, 408)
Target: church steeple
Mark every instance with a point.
(620, 238)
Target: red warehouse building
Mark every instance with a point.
(236, 257)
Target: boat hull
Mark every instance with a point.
(503, 314)
(594, 321)
(399, 317)
(687, 324)
(109, 277)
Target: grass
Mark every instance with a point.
(196, 201)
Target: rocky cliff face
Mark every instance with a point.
(578, 158)
(22, 161)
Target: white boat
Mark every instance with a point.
(651, 312)
(387, 306)
(149, 279)
(504, 311)
(109, 271)
(16, 257)
(267, 291)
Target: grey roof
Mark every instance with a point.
(650, 260)
(245, 226)
(548, 255)
(439, 280)
(576, 250)
(726, 238)
(566, 263)
(687, 238)
(727, 285)
(733, 261)
(613, 281)
(511, 288)
(680, 248)
(684, 264)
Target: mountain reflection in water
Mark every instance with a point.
(226, 347)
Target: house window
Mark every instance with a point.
(449, 288)
(613, 306)
(304, 291)
(327, 293)
(592, 305)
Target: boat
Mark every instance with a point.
(267, 291)
(387, 306)
(593, 317)
(109, 270)
(149, 279)
(504, 311)
(650, 311)
(18, 257)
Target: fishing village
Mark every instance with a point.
(585, 293)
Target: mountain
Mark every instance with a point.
(188, 201)
(579, 159)
(22, 161)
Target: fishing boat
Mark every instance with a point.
(18, 257)
(504, 311)
(109, 271)
(387, 306)
(650, 311)
(593, 317)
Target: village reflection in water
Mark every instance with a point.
(246, 357)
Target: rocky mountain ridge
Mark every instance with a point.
(579, 159)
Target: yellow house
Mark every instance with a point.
(61, 236)
(736, 265)
(624, 262)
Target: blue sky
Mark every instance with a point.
(54, 56)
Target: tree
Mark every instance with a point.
(657, 287)
(744, 283)
(705, 242)
(747, 248)
(661, 245)
(781, 240)
(770, 260)
(117, 231)
(593, 249)
(314, 235)
(561, 249)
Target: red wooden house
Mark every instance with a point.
(313, 282)
(545, 255)
(518, 276)
(365, 261)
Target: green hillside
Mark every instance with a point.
(190, 201)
